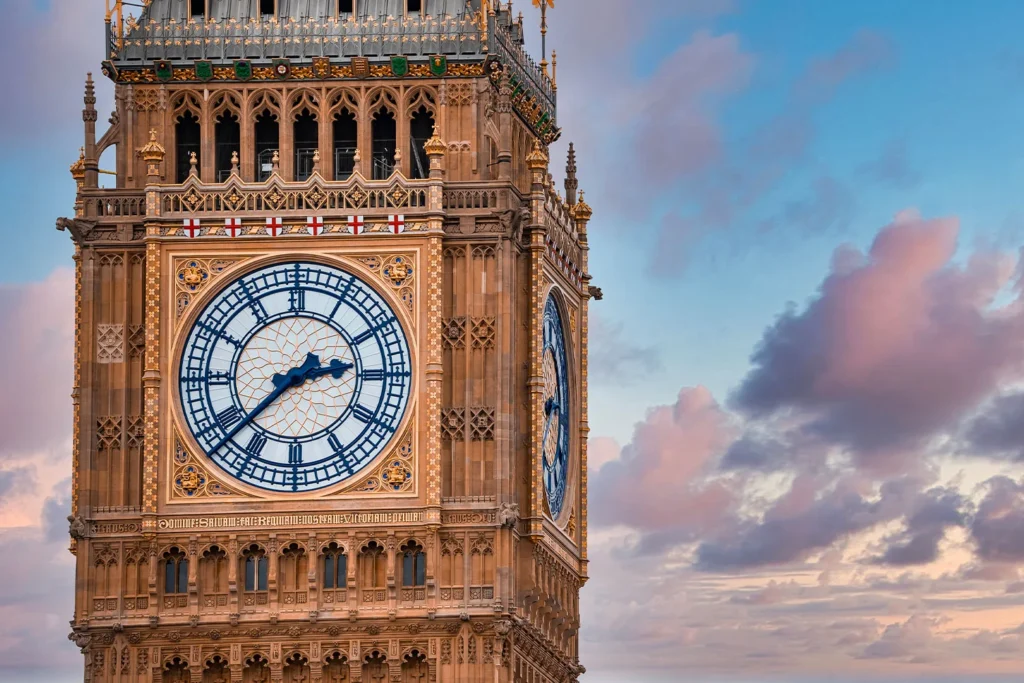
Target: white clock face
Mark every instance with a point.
(295, 377)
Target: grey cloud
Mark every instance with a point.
(937, 510)
(999, 430)
(998, 527)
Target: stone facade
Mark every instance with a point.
(185, 573)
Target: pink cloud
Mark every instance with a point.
(38, 320)
(898, 344)
(657, 484)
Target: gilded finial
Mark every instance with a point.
(582, 210)
(78, 168)
(153, 150)
(538, 158)
(435, 145)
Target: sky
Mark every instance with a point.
(807, 391)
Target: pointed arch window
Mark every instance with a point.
(346, 132)
(255, 564)
(414, 565)
(335, 566)
(420, 129)
(306, 141)
(267, 143)
(228, 134)
(188, 139)
(197, 9)
(384, 139)
(175, 572)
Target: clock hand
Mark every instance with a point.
(309, 370)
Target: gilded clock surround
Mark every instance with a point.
(446, 564)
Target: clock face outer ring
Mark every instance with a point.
(558, 499)
(230, 278)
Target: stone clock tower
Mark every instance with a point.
(331, 351)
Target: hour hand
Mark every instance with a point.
(297, 376)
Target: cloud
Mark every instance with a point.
(866, 51)
(918, 543)
(998, 527)
(615, 357)
(38, 320)
(999, 430)
(898, 343)
(54, 44)
(905, 640)
(657, 485)
(892, 167)
(17, 480)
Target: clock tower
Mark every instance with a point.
(330, 407)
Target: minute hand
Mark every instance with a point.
(295, 377)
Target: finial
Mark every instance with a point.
(538, 158)
(193, 162)
(78, 168)
(276, 161)
(234, 163)
(316, 161)
(153, 154)
(554, 70)
(571, 183)
(398, 155)
(356, 157)
(582, 211)
(435, 145)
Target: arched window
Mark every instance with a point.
(375, 666)
(294, 569)
(197, 9)
(384, 138)
(306, 142)
(336, 667)
(372, 566)
(414, 6)
(335, 567)
(228, 134)
(267, 142)
(256, 668)
(296, 668)
(345, 142)
(175, 572)
(414, 565)
(254, 561)
(414, 666)
(267, 8)
(216, 669)
(214, 577)
(188, 138)
(420, 129)
(176, 671)
(345, 8)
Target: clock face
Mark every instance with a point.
(295, 377)
(556, 409)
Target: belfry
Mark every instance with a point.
(330, 406)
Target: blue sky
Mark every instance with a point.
(747, 436)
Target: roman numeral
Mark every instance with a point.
(295, 454)
(363, 337)
(362, 413)
(256, 444)
(335, 443)
(376, 375)
(229, 417)
(219, 378)
(297, 299)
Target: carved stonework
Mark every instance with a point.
(395, 474)
(398, 271)
(453, 424)
(483, 333)
(109, 343)
(455, 333)
(192, 275)
(481, 424)
(191, 480)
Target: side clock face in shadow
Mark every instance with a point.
(295, 377)
(556, 409)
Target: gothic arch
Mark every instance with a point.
(187, 101)
(340, 98)
(304, 99)
(225, 101)
(382, 97)
(264, 100)
(419, 97)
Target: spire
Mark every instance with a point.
(89, 118)
(571, 184)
